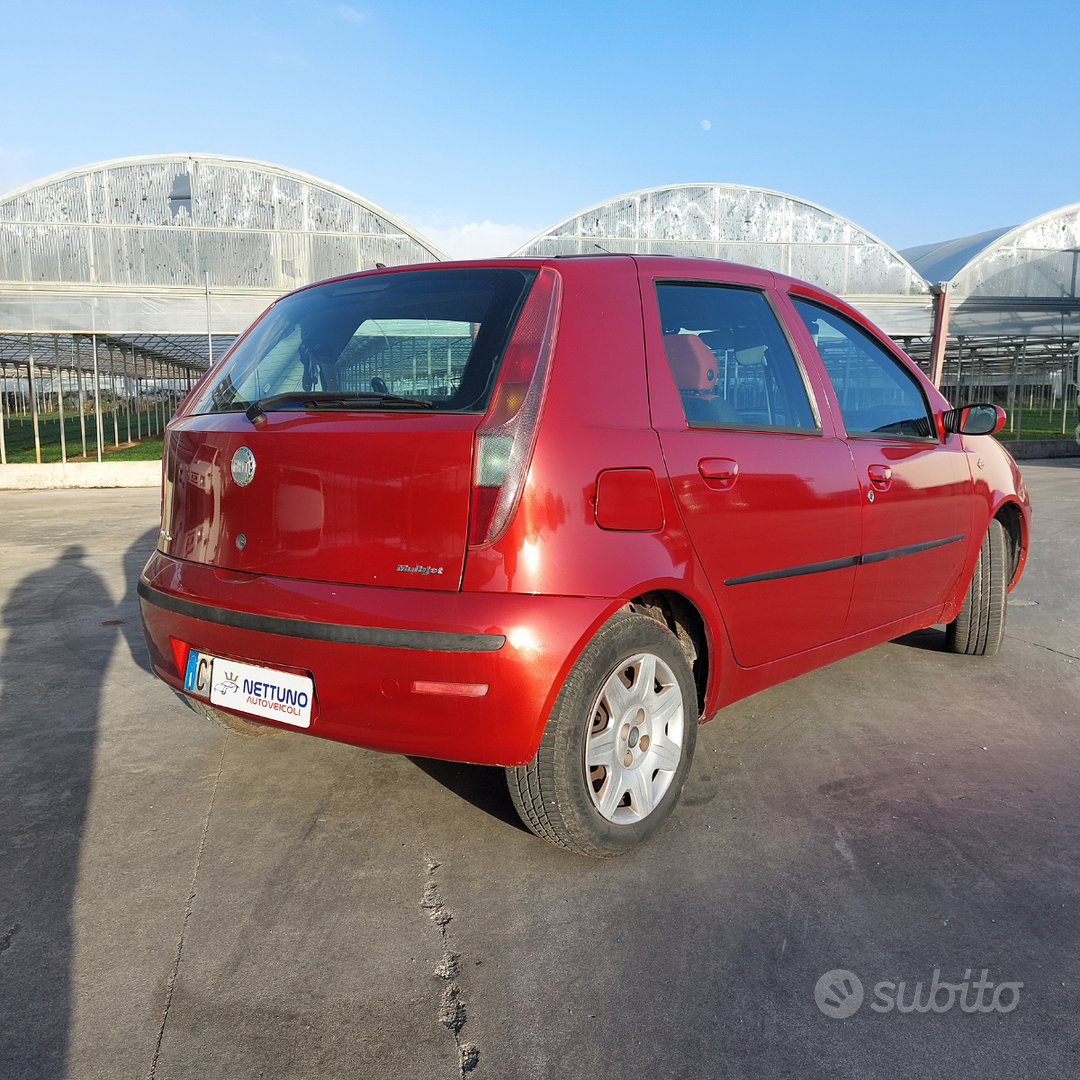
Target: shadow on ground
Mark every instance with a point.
(484, 786)
(62, 628)
(930, 640)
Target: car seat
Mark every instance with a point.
(694, 369)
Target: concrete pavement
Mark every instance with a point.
(177, 901)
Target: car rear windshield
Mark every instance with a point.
(425, 339)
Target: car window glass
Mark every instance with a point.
(729, 358)
(877, 395)
(436, 335)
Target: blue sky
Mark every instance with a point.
(482, 123)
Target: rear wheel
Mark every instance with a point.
(980, 625)
(618, 744)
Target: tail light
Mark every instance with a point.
(505, 438)
(180, 654)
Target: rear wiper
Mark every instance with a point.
(314, 399)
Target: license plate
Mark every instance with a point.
(257, 691)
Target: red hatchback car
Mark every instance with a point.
(551, 513)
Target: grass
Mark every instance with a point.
(147, 450)
(19, 439)
(1035, 419)
(1039, 424)
(1036, 423)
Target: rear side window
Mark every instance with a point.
(436, 336)
(729, 357)
(877, 394)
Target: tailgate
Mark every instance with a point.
(361, 498)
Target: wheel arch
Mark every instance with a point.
(677, 612)
(1012, 520)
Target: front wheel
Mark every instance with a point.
(979, 626)
(617, 747)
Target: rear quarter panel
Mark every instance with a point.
(596, 417)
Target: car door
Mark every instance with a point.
(766, 489)
(915, 489)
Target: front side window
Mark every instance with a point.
(877, 394)
(730, 360)
(430, 339)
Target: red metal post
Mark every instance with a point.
(942, 294)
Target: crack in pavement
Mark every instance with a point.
(451, 1012)
(5, 940)
(171, 985)
(1036, 645)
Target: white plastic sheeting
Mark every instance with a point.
(1039, 259)
(739, 224)
(128, 246)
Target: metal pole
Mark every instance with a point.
(127, 396)
(3, 399)
(959, 369)
(1065, 379)
(60, 399)
(138, 394)
(209, 330)
(98, 427)
(1020, 395)
(1064, 390)
(1050, 394)
(1010, 393)
(82, 397)
(942, 294)
(33, 397)
(112, 379)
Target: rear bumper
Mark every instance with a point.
(365, 647)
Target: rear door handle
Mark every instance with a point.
(718, 468)
(880, 476)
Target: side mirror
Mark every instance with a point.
(974, 420)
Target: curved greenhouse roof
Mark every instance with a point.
(1036, 259)
(1024, 281)
(941, 262)
(751, 225)
(130, 246)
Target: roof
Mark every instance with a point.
(942, 261)
(742, 224)
(131, 246)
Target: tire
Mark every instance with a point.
(980, 625)
(251, 728)
(615, 753)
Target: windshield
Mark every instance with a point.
(432, 335)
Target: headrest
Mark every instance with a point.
(751, 357)
(692, 364)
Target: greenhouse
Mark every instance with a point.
(758, 227)
(120, 281)
(992, 316)
(1014, 321)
